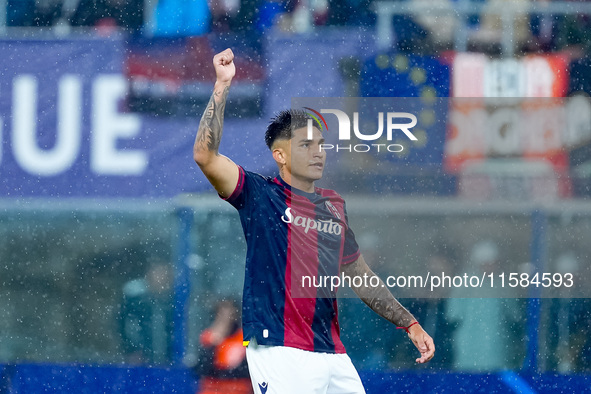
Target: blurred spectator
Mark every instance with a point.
(488, 38)
(545, 30)
(47, 12)
(489, 331)
(146, 316)
(222, 364)
(223, 14)
(554, 32)
(559, 32)
(319, 10)
(128, 14)
(441, 28)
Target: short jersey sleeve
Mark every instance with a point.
(239, 195)
(249, 187)
(351, 250)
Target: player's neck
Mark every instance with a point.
(300, 184)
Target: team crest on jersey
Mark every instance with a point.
(333, 209)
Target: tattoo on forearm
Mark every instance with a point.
(379, 299)
(211, 125)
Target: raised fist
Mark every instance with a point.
(223, 63)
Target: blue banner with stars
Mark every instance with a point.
(424, 78)
(382, 144)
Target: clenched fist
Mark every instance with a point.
(223, 63)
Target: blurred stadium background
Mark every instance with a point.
(114, 248)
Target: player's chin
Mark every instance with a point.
(315, 173)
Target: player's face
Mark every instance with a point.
(305, 158)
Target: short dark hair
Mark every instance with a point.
(284, 124)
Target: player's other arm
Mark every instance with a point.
(221, 172)
(381, 301)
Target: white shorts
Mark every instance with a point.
(286, 370)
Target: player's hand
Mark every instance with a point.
(223, 63)
(423, 342)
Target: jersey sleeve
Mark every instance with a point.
(239, 196)
(248, 189)
(351, 250)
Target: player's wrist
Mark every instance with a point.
(412, 327)
(222, 83)
(415, 328)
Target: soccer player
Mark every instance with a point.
(292, 229)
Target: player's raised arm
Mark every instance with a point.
(381, 301)
(221, 172)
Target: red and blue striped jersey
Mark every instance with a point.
(294, 239)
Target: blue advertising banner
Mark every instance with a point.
(64, 130)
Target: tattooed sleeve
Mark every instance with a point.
(379, 298)
(211, 125)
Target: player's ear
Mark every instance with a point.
(279, 156)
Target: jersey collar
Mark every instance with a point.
(297, 191)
